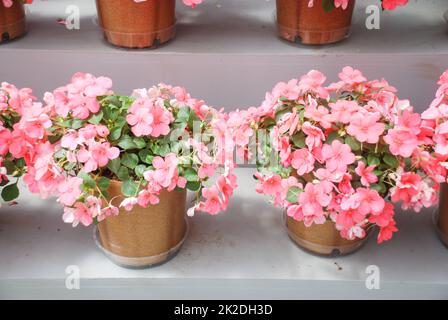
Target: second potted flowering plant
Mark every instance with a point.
(138, 23)
(319, 21)
(436, 122)
(344, 154)
(125, 163)
(23, 124)
(12, 19)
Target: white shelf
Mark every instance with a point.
(242, 253)
(227, 51)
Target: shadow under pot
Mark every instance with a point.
(143, 237)
(442, 214)
(131, 24)
(299, 23)
(12, 21)
(321, 239)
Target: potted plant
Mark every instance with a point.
(23, 122)
(12, 19)
(337, 158)
(124, 163)
(435, 119)
(138, 23)
(318, 22)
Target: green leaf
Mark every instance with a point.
(354, 144)
(77, 123)
(96, 118)
(380, 187)
(333, 136)
(129, 160)
(123, 173)
(183, 115)
(140, 143)
(328, 5)
(191, 175)
(299, 140)
(140, 170)
(114, 165)
(373, 161)
(88, 181)
(193, 186)
(146, 156)
(103, 183)
(115, 133)
(126, 143)
(391, 161)
(10, 192)
(129, 188)
(292, 195)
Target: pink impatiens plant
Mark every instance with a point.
(23, 124)
(329, 5)
(157, 139)
(344, 153)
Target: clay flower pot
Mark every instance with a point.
(137, 25)
(322, 239)
(299, 23)
(12, 21)
(442, 214)
(144, 237)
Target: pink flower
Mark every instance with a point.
(349, 75)
(212, 203)
(97, 155)
(393, 4)
(192, 3)
(79, 213)
(166, 170)
(271, 185)
(387, 232)
(161, 121)
(342, 110)
(401, 142)
(314, 135)
(365, 128)
(70, 191)
(83, 107)
(370, 201)
(129, 203)
(312, 82)
(312, 200)
(145, 198)
(337, 156)
(303, 161)
(289, 123)
(366, 174)
(140, 117)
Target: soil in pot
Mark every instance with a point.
(137, 25)
(442, 214)
(144, 237)
(322, 239)
(12, 21)
(298, 23)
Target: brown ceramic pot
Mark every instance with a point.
(297, 22)
(12, 21)
(442, 215)
(322, 239)
(137, 25)
(144, 237)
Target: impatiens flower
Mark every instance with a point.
(129, 203)
(365, 127)
(366, 174)
(303, 161)
(165, 170)
(342, 110)
(401, 142)
(270, 185)
(351, 76)
(70, 191)
(393, 4)
(80, 213)
(312, 200)
(337, 156)
(212, 203)
(97, 155)
(314, 135)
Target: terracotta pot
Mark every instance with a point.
(144, 237)
(299, 23)
(12, 21)
(137, 25)
(321, 239)
(442, 215)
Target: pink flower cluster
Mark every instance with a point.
(346, 152)
(23, 125)
(387, 4)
